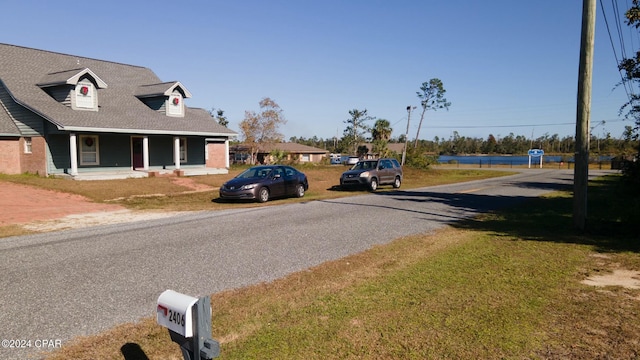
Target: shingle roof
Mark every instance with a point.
(120, 111)
(69, 77)
(293, 148)
(161, 89)
(396, 147)
(287, 147)
(7, 126)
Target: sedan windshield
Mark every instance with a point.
(255, 173)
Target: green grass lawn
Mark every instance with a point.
(506, 285)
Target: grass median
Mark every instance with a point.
(504, 285)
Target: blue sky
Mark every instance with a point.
(507, 66)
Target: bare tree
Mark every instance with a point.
(259, 129)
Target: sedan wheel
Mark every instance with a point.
(374, 185)
(397, 182)
(300, 190)
(263, 195)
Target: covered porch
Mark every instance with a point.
(132, 174)
(120, 156)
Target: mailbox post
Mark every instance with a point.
(189, 322)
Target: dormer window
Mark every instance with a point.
(85, 98)
(175, 106)
(77, 88)
(167, 98)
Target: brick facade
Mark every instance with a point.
(10, 156)
(15, 160)
(36, 161)
(217, 155)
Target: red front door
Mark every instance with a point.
(138, 160)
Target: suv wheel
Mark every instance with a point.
(263, 195)
(397, 182)
(373, 185)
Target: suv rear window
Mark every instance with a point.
(386, 164)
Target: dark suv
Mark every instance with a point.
(374, 172)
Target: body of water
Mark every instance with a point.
(508, 160)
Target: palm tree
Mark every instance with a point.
(381, 133)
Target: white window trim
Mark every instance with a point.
(81, 152)
(28, 145)
(85, 101)
(172, 108)
(183, 150)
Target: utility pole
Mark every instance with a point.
(581, 171)
(406, 134)
(531, 143)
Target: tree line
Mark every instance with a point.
(260, 128)
(511, 144)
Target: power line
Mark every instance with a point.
(623, 43)
(492, 126)
(633, 35)
(616, 14)
(624, 83)
(509, 126)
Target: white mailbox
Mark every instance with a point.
(175, 312)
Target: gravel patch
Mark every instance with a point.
(76, 221)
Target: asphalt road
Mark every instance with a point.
(80, 282)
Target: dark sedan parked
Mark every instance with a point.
(264, 182)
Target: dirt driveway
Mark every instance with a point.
(24, 204)
(40, 210)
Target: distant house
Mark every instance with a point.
(295, 152)
(397, 148)
(66, 114)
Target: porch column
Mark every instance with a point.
(176, 152)
(145, 153)
(73, 154)
(226, 153)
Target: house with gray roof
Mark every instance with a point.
(70, 115)
(294, 152)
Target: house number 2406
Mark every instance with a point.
(176, 317)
